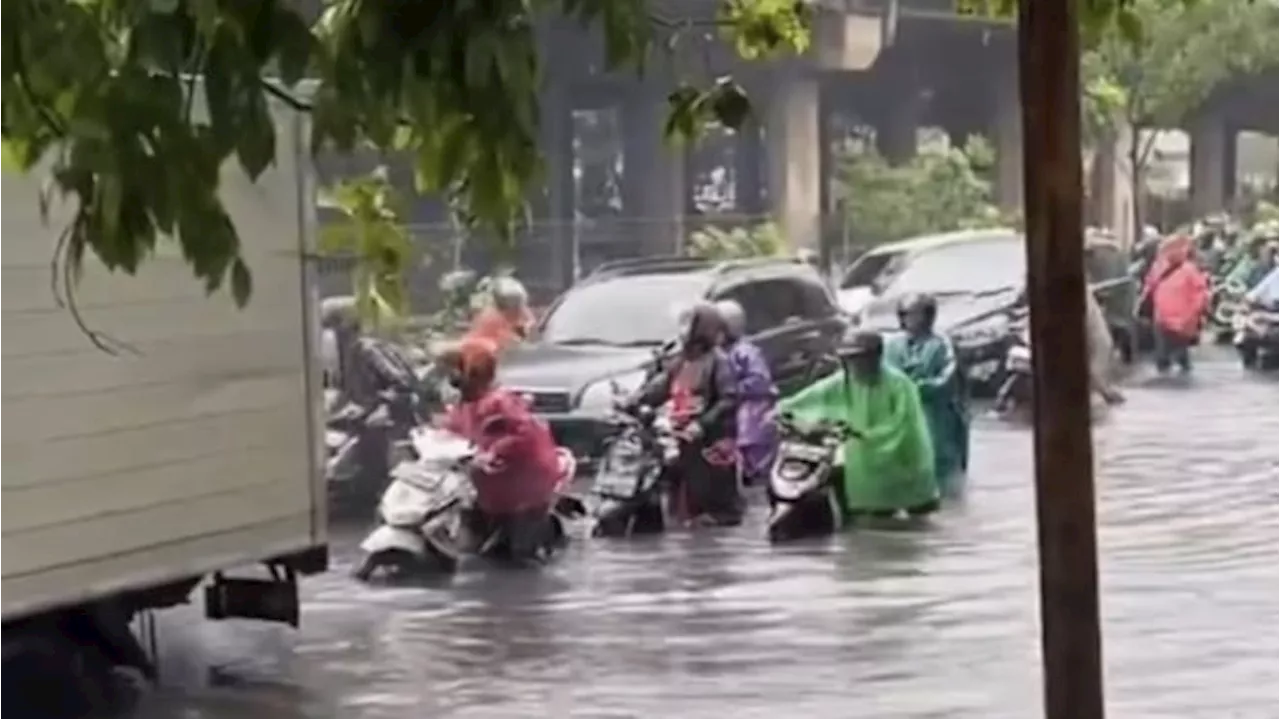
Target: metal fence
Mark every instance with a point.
(549, 256)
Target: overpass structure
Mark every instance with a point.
(896, 65)
(872, 60)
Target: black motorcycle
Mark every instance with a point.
(1016, 391)
(1256, 336)
(629, 483)
(804, 496)
(1226, 303)
(359, 436)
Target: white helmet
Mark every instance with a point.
(509, 293)
(338, 311)
(734, 318)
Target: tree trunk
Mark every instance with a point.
(1048, 64)
(1136, 162)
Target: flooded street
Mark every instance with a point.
(941, 623)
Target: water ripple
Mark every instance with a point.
(939, 623)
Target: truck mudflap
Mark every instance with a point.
(274, 599)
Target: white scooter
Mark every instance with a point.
(422, 511)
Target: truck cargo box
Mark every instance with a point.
(192, 449)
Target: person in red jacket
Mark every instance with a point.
(1178, 293)
(516, 472)
(508, 321)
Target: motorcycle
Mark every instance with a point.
(1226, 304)
(1016, 391)
(803, 496)
(629, 483)
(359, 442)
(423, 512)
(1257, 331)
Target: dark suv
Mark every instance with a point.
(601, 335)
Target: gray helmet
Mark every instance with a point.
(509, 293)
(735, 319)
(338, 312)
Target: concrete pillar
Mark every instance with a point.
(561, 191)
(897, 133)
(1111, 198)
(1209, 164)
(748, 170)
(653, 174)
(1006, 135)
(794, 157)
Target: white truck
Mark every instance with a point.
(129, 479)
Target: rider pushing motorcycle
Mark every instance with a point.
(888, 460)
(517, 469)
(701, 389)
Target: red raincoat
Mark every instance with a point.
(500, 424)
(1179, 295)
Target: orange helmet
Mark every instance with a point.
(477, 362)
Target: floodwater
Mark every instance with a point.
(938, 623)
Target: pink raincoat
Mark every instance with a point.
(1179, 290)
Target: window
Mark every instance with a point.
(625, 311)
(768, 303)
(869, 267)
(982, 264)
(817, 301)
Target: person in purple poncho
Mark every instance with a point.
(757, 433)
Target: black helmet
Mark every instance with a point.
(919, 302)
(860, 343)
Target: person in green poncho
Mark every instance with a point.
(888, 465)
(930, 361)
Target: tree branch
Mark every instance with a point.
(51, 118)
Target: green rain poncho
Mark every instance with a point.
(931, 363)
(891, 465)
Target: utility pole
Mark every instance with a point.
(1049, 80)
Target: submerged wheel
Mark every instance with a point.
(649, 519)
(1248, 355)
(367, 566)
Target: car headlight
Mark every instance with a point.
(981, 333)
(598, 397)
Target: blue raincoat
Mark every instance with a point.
(930, 362)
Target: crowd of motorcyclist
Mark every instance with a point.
(902, 399)
(1209, 276)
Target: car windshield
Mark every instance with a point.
(626, 311)
(985, 264)
(868, 267)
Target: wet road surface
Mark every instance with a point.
(939, 623)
